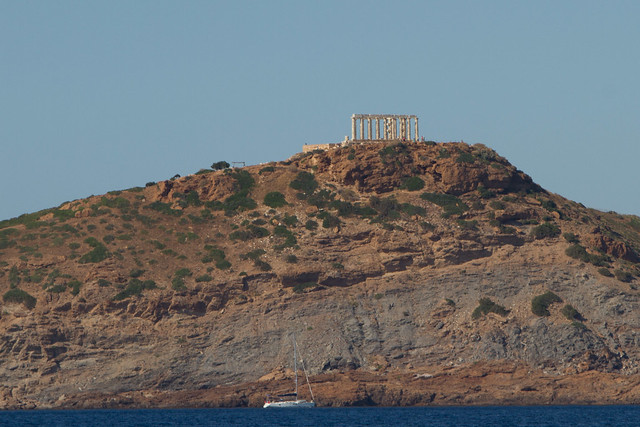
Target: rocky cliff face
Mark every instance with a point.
(413, 273)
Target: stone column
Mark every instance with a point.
(416, 127)
(370, 135)
(361, 129)
(377, 128)
(353, 127)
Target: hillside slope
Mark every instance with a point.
(416, 273)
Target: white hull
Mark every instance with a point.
(290, 404)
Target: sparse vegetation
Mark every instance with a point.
(571, 238)
(302, 287)
(414, 183)
(274, 199)
(623, 276)
(545, 230)
(571, 313)
(304, 182)
(97, 254)
(540, 304)
(450, 203)
(19, 296)
(605, 272)
(486, 305)
(579, 252)
(134, 288)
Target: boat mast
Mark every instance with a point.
(295, 362)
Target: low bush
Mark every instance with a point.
(450, 203)
(97, 254)
(311, 225)
(204, 278)
(19, 296)
(484, 193)
(220, 165)
(497, 205)
(545, 230)
(571, 313)
(304, 182)
(465, 158)
(414, 183)
(291, 259)
(571, 238)
(486, 305)
(136, 272)
(623, 276)
(579, 252)
(274, 199)
(252, 232)
(540, 304)
(164, 208)
(604, 271)
(262, 265)
(266, 169)
(134, 287)
(302, 287)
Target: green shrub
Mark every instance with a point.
(571, 313)
(623, 276)
(75, 286)
(255, 254)
(223, 264)
(311, 225)
(274, 199)
(414, 183)
(450, 203)
(178, 284)
(164, 208)
(484, 193)
(103, 283)
(301, 287)
(220, 165)
(291, 259)
(330, 221)
(182, 272)
(486, 305)
(545, 230)
(252, 232)
(136, 272)
(497, 205)
(605, 272)
(289, 220)
(540, 304)
(204, 278)
(304, 182)
(465, 158)
(97, 254)
(262, 265)
(134, 288)
(19, 296)
(267, 169)
(57, 288)
(579, 252)
(467, 225)
(571, 238)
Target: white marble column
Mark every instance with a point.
(361, 129)
(377, 128)
(353, 127)
(416, 127)
(370, 135)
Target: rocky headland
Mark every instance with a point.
(411, 273)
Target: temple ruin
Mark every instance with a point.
(388, 127)
(375, 128)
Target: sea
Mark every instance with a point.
(538, 416)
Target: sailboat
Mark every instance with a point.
(292, 400)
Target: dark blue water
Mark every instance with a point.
(538, 416)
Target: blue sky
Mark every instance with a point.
(105, 95)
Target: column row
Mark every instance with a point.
(386, 128)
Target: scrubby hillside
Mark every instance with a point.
(408, 272)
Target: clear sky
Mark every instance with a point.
(106, 95)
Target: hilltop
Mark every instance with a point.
(412, 273)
